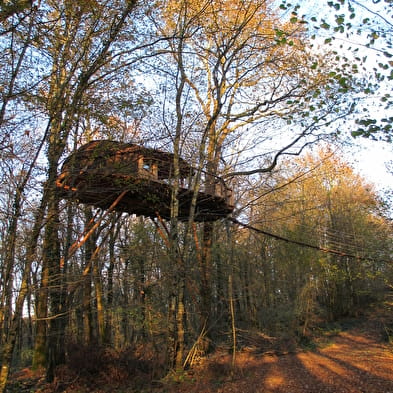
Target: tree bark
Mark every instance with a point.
(9, 344)
(52, 262)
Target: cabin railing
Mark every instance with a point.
(221, 190)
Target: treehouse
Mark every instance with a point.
(139, 179)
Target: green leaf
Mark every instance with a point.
(334, 5)
(279, 33)
(340, 19)
(358, 132)
(343, 82)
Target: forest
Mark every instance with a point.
(245, 102)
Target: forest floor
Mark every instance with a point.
(353, 356)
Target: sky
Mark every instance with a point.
(370, 158)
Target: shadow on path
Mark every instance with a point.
(353, 364)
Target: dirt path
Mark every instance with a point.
(354, 363)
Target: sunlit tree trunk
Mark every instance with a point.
(176, 311)
(52, 262)
(87, 297)
(39, 356)
(99, 299)
(113, 232)
(206, 279)
(8, 345)
(6, 297)
(126, 324)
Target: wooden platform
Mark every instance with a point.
(99, 172)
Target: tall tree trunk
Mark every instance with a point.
(208, 237)
(180, 316)
(176, 310)
(55, 284)
(6, 297)
(206, 282)
(109, 299)
(9, 344)
(127, 335)
(87, 301)
(171, 338)
(39, 355)
(99, 298)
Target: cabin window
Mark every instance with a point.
(148, 168)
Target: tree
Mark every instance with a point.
(10, 8)
(321, 203)
(361, 34)
(242, 69)
(76, 42)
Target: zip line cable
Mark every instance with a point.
(304, 244)
(339, 239)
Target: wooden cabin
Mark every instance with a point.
(99, 171)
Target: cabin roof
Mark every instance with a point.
(99, 150)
